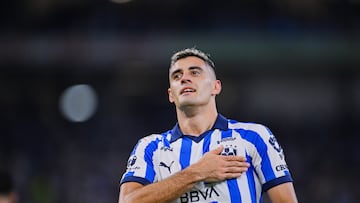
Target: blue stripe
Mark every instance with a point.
(206, 143)
(251, 179)
(261, 148)
(235, 195)
(185, 152)
(148, 157)
(225, 134)
(129, 174)
(164, 140)
(232, 184)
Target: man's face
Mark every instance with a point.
(192, 83)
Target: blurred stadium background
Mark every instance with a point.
(291, 65)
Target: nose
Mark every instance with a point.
(186, 78)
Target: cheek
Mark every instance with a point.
(208, 86)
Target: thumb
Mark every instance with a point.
(217, 150)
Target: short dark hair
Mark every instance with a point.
(192, 52)
(6, 183)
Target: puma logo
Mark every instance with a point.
(166, 166)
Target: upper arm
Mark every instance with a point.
(267, 156)
(140, 167)
(126, 189)
(283, 193)
(140, 170)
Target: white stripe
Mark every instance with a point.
(258, 188)
(244, 188)
(177, 149)
(215, 138)
(256, 159)
(196, 151)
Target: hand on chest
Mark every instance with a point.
(184, 152)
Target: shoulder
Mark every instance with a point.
(251, 131)
(148, 144)
(249, 126)
(154, 139)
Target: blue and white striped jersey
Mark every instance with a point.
(158, 156)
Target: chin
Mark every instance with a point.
(183, 104)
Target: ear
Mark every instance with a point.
(217, 87)
(171, 98)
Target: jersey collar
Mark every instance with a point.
(220, 123)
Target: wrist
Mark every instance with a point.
(194, 174)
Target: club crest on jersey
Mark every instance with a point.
(229, 150)
(131, 162)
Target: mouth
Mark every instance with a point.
(187, 90)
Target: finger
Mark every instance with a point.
(217, 150)
(232, 175)
(236, 169)
(237, 164)
(235, 158)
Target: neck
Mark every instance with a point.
(196, 120)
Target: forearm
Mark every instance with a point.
(211, 168)
(283, 193)
(166, 190)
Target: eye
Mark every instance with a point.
(177, 76)
(195, 72)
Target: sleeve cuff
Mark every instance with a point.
(140, 180)
(276, 181)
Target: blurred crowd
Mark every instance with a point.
(292, 66)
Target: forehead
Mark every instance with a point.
(187, 62)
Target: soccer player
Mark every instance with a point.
(205, 157)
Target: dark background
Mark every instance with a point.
(291, 65)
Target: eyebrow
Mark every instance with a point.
(195, 68)
(190, 68)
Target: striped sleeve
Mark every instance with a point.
(272, 166)
(140, 167)
(267, 156)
